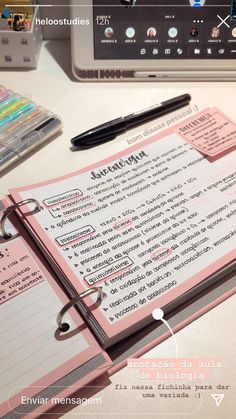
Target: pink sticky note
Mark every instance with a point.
(210, 131)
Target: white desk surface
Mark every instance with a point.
(84, 105)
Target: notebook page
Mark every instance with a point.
(32, 352)
(146, 224)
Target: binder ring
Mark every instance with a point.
(11, 209)
(63, 327)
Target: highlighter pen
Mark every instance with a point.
(23, 120)
(19, 103)
(43, 131)
(5, 94)
(8, 101)
(23, 145)
(16, 114)
(24, 123)
(7, 157)
(14, 136)
(111, 129)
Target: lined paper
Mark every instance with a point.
(28, 347)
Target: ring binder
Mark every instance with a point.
(11, 209)
(64, 327)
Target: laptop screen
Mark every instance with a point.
(161, 29)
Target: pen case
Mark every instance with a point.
(24, 126)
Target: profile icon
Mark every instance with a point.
(151, 32)
(234, 32)
(215, 32)
(173, 32)
(109, 32)
(197, 3)
(130, 32)
(194, 32)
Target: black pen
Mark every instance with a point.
(109, 130)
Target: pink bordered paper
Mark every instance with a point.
(20, 248)
(134, 318)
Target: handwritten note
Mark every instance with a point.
(211, 132)
(162, 213)
(18, 271)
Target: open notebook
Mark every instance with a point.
(40, 366)
(37, 362)
(151, 225)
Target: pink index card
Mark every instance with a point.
(210, 131)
